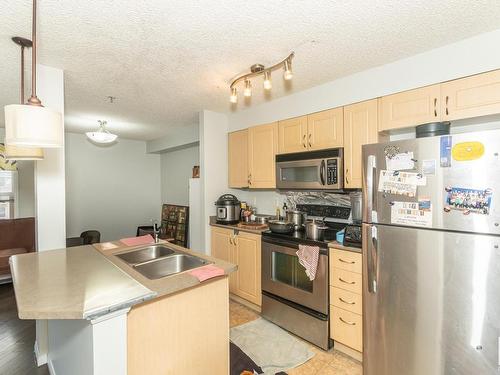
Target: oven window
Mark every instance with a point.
(287, 269)
(300, 174)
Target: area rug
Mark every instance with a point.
(270, 347)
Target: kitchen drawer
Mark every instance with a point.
(345, 260)
(346, 300)
(346, 280)
(346, 328)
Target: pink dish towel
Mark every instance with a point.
(308, 258)
(207, 272)
(141, 240)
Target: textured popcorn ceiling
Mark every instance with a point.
(166, 60)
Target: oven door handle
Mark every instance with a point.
(322, 171)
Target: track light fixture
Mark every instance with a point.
(248, 88)
(257, 70)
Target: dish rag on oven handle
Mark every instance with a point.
(308, 258)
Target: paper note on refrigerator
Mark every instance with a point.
(413, 214)
(399, 162)
(401, 183)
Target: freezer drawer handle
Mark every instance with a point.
(346, 261)
(347, 322)
(347, 282)
(343, 300)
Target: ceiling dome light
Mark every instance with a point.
(267, 80)
(102, 135)
(287, 74)
(31, 124)
(248, 88)
(234, 96)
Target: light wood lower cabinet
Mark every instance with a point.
(244, 250)
(473, 96)
(346, 298)
(238, 159)
(360, 128)
(181, 333)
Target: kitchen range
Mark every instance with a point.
(289, 298)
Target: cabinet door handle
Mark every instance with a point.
(235, 240)
(347, 282)
(346, 261)
(347, 176)
(343, 300)
(304, 141)
(231, 240)
(250, 179)
(310, 135)
(435, 107)
(347, 322)
(447, 99)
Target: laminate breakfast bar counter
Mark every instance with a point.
(106, 318)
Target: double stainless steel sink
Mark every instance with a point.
(157, 261)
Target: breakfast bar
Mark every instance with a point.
(105, 317)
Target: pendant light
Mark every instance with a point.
(31, 124)
(14, 152)
(102, 135)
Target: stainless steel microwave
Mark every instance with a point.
(312, 170)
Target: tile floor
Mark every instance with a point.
(323, 363)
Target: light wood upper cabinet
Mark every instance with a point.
(360, 128)
(410, 108)
(238, 159)
(262, 149)
(248, 259)
(325, 129)
(292, 135)
(473, 96)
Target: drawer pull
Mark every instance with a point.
(347, 282)
(346, 261)
(346, 322)
(343, 300)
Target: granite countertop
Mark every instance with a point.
(170, 284)
(213, 222)
(73, 283)
(337, 245)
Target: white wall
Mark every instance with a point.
(213, 166)
(49, 190)
(179, 136)
(176, 170)
(112, 189)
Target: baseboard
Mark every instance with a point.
(50, 366)
(41, 359)
(358, 356)
(245, 303)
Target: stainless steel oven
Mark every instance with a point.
(316, 170)
(289, 298)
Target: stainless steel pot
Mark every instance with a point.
(228, 209)
(356, 206)
(298, 218)
(315, 230)
(263, 219)
(280, 226)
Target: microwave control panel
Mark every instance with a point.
(332, 171)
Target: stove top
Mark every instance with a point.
(301, 237)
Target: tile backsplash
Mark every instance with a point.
(316, 197)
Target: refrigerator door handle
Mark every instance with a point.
(372, 257)
(370, 214)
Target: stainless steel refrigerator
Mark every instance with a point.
(431, 237)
